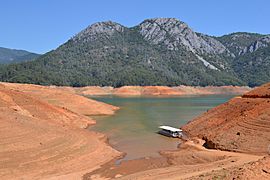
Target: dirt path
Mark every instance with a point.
(191, 161)
(188, 171)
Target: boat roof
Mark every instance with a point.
(170, 128)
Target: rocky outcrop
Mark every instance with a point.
(241, 124)
(174, 34)
(261, 43)
(242, 43)
(217, 46)
(101, 28)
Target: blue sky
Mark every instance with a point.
(43, 25)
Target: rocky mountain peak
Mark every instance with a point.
(174, 34)
(161, 30)
(240, 43)
(266, 39)
(260, 43)
(164, 21)
(91, 32)
(159, 51)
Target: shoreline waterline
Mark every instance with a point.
(132, 129)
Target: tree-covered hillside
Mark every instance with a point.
(8, 56)
(162, 51)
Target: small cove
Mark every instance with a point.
(133, 128)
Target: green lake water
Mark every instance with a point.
(133, 128)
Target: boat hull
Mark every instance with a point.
(169, 134)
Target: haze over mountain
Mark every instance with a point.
(13, 55)
(159, 51)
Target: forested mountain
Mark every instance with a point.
(160, 51)
(12, 55)
(251, 59)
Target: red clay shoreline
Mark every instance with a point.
(211, 163)
(53, 111)
(34, 139)
(158, 90)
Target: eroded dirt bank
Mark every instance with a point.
(242, 124)
(191, 161)
(238, 133)
(42, 133)
(159, 90)
(65, 97)
(42, 137)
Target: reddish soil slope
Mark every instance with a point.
(65, 97)
(160, 90)
(254, 170)
(42, 140)
(145, 90)
(260, 92)
(242, 124)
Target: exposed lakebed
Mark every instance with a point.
(133, 128)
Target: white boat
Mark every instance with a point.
(170, 131)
